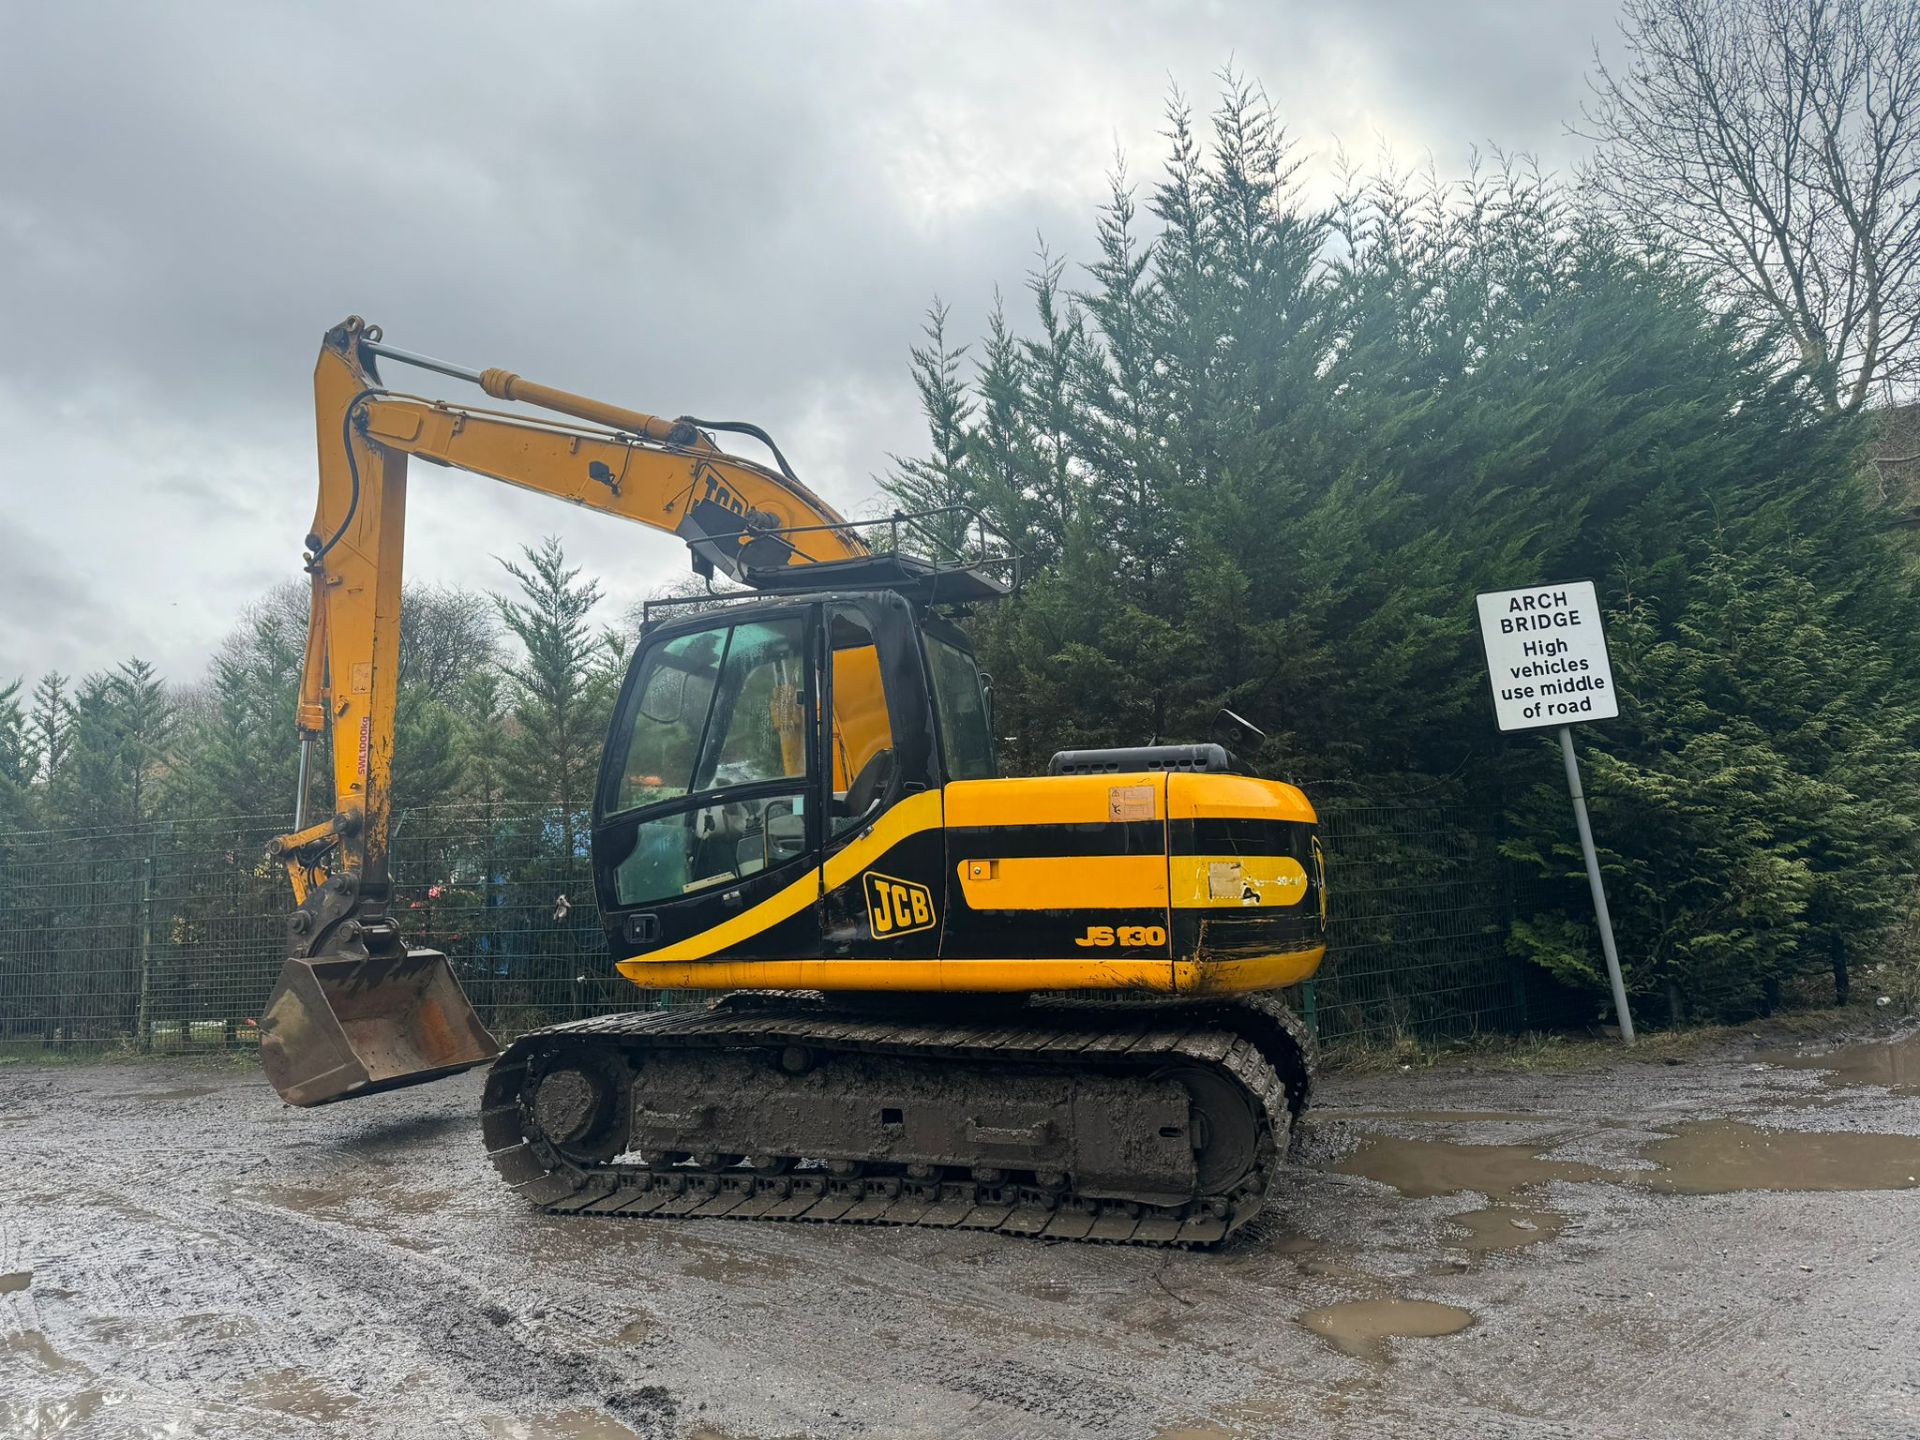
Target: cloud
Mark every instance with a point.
(737, 210)
(44, 606)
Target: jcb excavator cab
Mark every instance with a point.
(754, 742)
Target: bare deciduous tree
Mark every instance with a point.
(1776, 145)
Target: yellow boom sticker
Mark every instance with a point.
(897, 907)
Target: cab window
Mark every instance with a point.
(758, 731)
(690, 850)
(672, 698)
(862, 733)
(960, 707)
(715, 710)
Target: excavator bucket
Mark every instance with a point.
(343, 1028)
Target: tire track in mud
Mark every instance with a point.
(974, 1343)
(427, 1316)
(931, 1352)
(280, 1292)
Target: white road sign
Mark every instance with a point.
(1547, 656)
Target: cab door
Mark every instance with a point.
(708, 806)
(881, 801)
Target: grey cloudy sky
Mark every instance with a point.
(737, 209)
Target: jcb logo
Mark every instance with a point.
(897, 907)
(718, 493)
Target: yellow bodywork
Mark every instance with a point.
(1064, 882)
(962, 976)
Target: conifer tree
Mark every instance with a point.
(480, 714)
(935, 481)
(87, 789)
(19, 761)
(560, 694)
(244, 758)
(51, 716)
(1001, 457)
(147, 717)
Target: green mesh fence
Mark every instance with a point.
(169, 936)
(1417, 935)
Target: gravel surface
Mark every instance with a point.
(1725, 1247)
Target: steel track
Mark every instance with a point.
(1254, 1040)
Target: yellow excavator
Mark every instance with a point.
(1041, 1005)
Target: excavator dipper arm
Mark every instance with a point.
(355, 1011)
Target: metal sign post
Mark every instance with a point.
(1593, 880)
(1548, 665)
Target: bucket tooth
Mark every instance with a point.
(345, 1027)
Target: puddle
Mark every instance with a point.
(183, 1092)
(342, 1202)
(731, 1267)
(1893, 1064)
(15, 1280)
(1715, 1157)
(1419, 1169)
(414, 1202)
(57, 1417)
(634, 1332)
(1444, 1117)
(1503, 1227)
(1292, 1242)
(328, 1203)
(1709, 1157)
(292, 1392)
(28, 1353)
(1362, 1327)
(33, 1346)
(1048, 1289)
(1255, 1417)
(562, 1425)
(200, 1329)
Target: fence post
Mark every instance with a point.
(144, 1021)
(1509, 906)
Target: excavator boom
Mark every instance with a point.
(356, 1011)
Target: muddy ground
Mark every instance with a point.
(1729, 1246)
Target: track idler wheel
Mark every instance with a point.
(580, 1108)
(1225, 1127)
